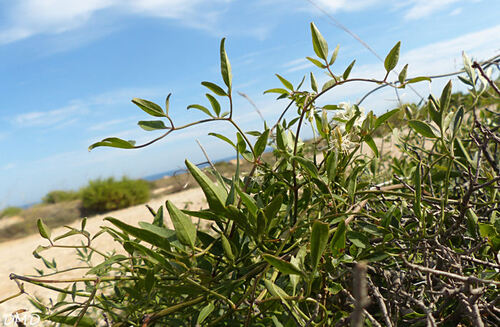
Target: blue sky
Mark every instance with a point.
(70, 68)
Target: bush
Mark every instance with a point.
(328, 237)
(10, 211)
(103, 195)
(60, 196)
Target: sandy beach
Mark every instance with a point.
(16, 255)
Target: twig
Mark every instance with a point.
(360, 294)
(475, 64)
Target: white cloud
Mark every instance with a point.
(456, 11)
(49, 118)
(27, 18)
(345, 5)
(423, 8)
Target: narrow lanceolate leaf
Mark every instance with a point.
(222, 137)
(338, 239)
(43, 229)
(276, 90)
(167, 103)
(316, 62)
(204, 313)
(347, 72)
(214, 103)
(227, 247)
(334, 55)
(149, 107)
(418, 79)
(216, 195)
(402, 74)
(184, 227)
(214, 88)
(392, 58)
(319, 240)
(261, 143)
(383, 118)
(286, 83)
(152, 125)
(141, 233)
(225, 66)
(371, 143)
(201, 108)
(444, 101)
(307, 165)
(422, 128)
(283, 266)
(113, 142)
(319, 43)
(418, 192)
(314, 85)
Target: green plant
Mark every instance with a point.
(103, 195)
(60, 196)
(322, 235)
(10, 211)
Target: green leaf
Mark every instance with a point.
(149, 107)
(392, 58)
(276, 90)
(307, 165)
(183, 225)
(383, 118)
(227, 247)
(418, 79)
(113, 142)
(319, 240)
(402, 74)
(67, 234)
(140, 233)
(167, 103)
(444, 101)
(273, 208)
(216, 195)
(214, 88)
(214, 103)
(319, 43)
(204, 313)
(314, 85)
(338, 239)
(222, 137)
(225, 66)
(200, 107)
(151, 125)
(418, 193)
(316, 62)
(358, 239)
(328, 84)
(86, 321)
(40, 248)
(286, 83)
(149, 281)
(241, 143)
(332, 107)
(260, 144)
(422, 128)
(283, 266)
(43, 229)
(347, 72)
(334, 55)
(262, 223)
(371, 143)
(248, 201)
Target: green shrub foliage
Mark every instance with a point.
(10, 211)
(58, 196)
(327, 233)
(109, 194)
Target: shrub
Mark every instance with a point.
(108, 194)
(10, 211)
(60, 196)
(327, 237)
